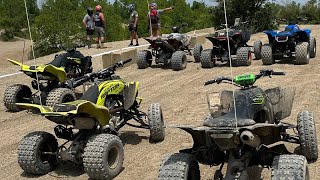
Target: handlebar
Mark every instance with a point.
(102, 74)
(264, 72)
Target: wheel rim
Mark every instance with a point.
(212, 59)
(113, 157)
(22, 95)
(184, 61)
(249, 57)
(67, 98)
(45, 147)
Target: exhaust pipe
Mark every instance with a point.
(253, 140)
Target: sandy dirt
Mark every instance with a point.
(182, 97)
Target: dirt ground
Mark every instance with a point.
(182, 97)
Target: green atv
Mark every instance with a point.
(49, 80)
(248, 135)
(91, 124)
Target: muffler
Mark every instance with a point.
(253, 140)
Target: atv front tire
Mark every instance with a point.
(207, 59)
(266, 54)
(302, 53)
(313, 47)
(156, 123)
(31, 157)
(179, 60)
(257, 49)
(197, 52)
(290, 167)
(17, 93)
(179, 166)
(307, 135)
(59, 96)
(144, 59)
(244, 57)
(103, 156)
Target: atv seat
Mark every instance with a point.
(227, 120)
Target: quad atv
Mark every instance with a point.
(245, 132)
(238, 36)
(168, 50)
(49, 80)
(291, 41)
(91, 125)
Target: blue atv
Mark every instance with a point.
(291, 41)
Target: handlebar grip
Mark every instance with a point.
(278, 73)
(210, 82)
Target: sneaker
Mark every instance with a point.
(130, 44)
(137, 44)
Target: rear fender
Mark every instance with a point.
(198, 135)
(58, 72)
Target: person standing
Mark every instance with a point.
(89, 25)
(100, 26)
(133, 24)
(154, 19)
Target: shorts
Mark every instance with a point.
(90, 32)
(155, 26)
(100, 31)
(132, 28)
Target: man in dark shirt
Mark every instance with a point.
(89, 25)
(133, 24)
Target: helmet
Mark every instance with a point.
(131, 7)
(98, 8)
(89, 10)
(153, 6)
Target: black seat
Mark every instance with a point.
(91, 94)
(227, 120)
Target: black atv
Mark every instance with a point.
(247, 135)
(49, 80)
(167, 50)
(238, 36)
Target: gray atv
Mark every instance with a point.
(247, 135)
(169, 50)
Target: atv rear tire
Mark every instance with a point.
(290, 167)
(313, 47)
(302, 53)
(197, 52)
(144, 59)
(244, 57)
(307, 135)
(257, 49)
(156, 123)
(103, 156)
(266, 54)
(30, 153)
(179, 166)
(207, 59)
(179, 60)
(17, 93)
(59, 96)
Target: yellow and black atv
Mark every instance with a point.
(91, 126)
(49, 80)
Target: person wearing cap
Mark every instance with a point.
(89, 25)
(133, 24)
(100, 26)
(154, 19)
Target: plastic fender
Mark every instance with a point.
(114, 87)
(58, 72)
(42, 109)
(303, 36)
